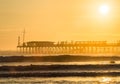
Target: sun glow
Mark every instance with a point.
(106, 80)
(104, 9)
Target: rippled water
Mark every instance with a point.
(54, 63)
(61, 80)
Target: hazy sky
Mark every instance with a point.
(57, 20)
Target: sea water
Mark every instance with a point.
(61, 80)
(56, 63)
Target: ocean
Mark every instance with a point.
(69, 67)
(61, 80)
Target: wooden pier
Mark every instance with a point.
(73, 47)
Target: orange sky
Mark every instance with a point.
(57, 20)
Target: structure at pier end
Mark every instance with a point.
(73, 47)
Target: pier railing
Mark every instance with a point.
(64, 47)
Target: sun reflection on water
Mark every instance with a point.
(106, 80)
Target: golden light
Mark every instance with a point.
(106, 80)
(104, 9)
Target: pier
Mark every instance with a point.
(73, 47)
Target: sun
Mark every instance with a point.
(104, 9)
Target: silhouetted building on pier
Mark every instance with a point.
(64, 47)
